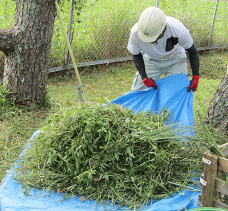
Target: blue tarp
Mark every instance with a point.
(172, 93)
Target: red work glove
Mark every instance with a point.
(193, 83)
(149, 82)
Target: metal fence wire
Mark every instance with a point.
(99, 29)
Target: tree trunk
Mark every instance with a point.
(217, 113)
(27, 48)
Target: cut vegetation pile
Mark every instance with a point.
(109, 153)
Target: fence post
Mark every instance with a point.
(209, 43)
(70, 31)
(157, 3)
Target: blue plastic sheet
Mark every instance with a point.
(172, 94)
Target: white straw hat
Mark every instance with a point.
(151, 23)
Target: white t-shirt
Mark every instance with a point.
(157, 51)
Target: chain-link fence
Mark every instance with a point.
(99, 29)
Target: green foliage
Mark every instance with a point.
(7, 8)
(7, 100)
(109, 153)
(101, 28)
(6, 97)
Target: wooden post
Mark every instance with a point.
(210, 174)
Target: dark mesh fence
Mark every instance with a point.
(100, 28)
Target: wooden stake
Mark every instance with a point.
(210, 174)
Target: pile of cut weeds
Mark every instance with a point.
(108, 153)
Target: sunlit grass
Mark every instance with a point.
(202, 97)
(115, 81)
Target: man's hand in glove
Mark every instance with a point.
(149, 82)
(193, 83)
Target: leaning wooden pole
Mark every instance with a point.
(81, 95)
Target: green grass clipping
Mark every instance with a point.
(108, 153)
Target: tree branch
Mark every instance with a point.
(6, 40)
